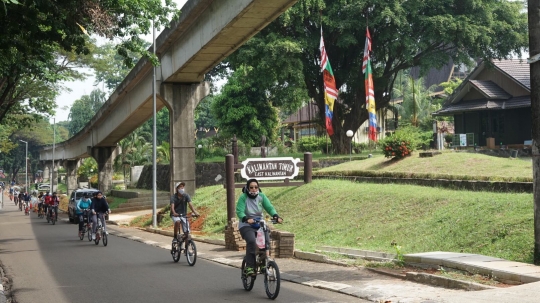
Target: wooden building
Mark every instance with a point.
(493, 104)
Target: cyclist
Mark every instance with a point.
(53, 205)
(82, 204)
(250, 205)
(179, 202)
(10, 194)
(21, 200)
(46, 201)
(16, 196)
(40, 202)
(99, 207)
(27, 198)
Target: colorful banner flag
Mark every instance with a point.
(370, 90)
(330, 90)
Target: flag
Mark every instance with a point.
(370, 90)
(330, 90)
(367, 49)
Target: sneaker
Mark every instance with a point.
(107, 232)
(249, 271)
(174, 240)
(80, 233)
(93, 237)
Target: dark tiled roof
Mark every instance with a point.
(517, 69)
(307, 113)
(467, 106)
(434, 76)
(490, 89)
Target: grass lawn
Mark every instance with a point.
(419, 219)
(475, 166)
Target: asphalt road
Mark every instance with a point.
(50, 264)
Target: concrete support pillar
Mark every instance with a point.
(71, 175)
(104, 158)
(182, 99)
(46, 172)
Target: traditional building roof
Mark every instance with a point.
(308, 113)
(435, 76)
(475, 105)
(495, 97)
(516, 69)
(489, 89)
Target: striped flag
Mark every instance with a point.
(330, 90)
(370, 90)
(367, 49)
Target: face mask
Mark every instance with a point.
(180, 191)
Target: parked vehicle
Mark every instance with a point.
(75, 196)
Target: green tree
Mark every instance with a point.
(162, 127)
(450, 86)
(34, 35)
(109, 67)
(404, 34)
(417, 106)
(84, 109)
(203, 114)
(244, 109)
(163, 153)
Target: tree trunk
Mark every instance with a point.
(534, 49)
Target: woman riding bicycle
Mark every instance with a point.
(82, 205)
(250, 206)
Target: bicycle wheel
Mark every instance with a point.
(89, 232)
(191, 253)
(175, 252)
(98, 235)
(105, 239)
(272, 280)
(53, 220)
(247, 281)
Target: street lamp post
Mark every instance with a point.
(26, 164)
(349, 134)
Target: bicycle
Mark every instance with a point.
(52, 214)
(41, 212)
(263, 265)
(100, 232)
(86, 226)
(190, 249)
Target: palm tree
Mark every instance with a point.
(164, 153)
(416, 106)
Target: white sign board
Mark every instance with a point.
(270, 168)
(462, 139)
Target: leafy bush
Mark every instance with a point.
(404, 141)
(93, 180)
(308, 144)
(359, 147)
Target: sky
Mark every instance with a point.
(79, 88)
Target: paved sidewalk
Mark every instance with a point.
(361, 282)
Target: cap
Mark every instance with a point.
(179, 183)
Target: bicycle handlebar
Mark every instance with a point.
(185, 216)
